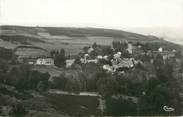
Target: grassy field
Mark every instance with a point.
(52, 70)
(71, 39)
(75, 105)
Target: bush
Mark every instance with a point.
(19, 109)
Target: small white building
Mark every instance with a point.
(107, 67)
(130, 48)
(69, 62)
(99, 57)
(160, 49)
(139, 46)
(105, 57)
(92, 61)
(31, 63)
(45, 61)
(117, 55)
(90, 50)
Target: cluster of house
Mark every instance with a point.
(120, 63)
(31, 60)
(117, 62)
(165, 54)
(36, 60)
(33, 55)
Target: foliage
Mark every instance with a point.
(3, 67)
(119, 46)
(19, 109)
(24, 78)
(74, 82)
(6, 54)
(120, 107)
(60, 59)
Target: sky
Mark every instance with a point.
(117, 14)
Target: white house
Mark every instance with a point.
(122, 63)
(31, 63)
(90, 50)
(130, 48)
(45, 61)
(117, 55)
(107, 67)
(160, 49)
(105, 57)
(99, 57)
(69, 62)
(92, 61)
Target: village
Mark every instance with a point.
(111, 62)
(114, 75)
(91, 58)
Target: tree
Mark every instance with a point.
(24, 78)
(85, 49)
(154, 100)
(59, 82)
(119, 46)
(178, 54)
(19, 109)
(77, 60)
(94, 45)
(120, 107)
(60, 59)
(6, 54)
(73, 85)
(42, 86)
(3, 66)
(37, 81)
(158, 62)
(162, 90)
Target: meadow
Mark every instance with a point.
(75, 104)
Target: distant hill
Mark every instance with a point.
(71, 39)
(75, 32)
(173, 34)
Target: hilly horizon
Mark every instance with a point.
(172, 34)
(72, 39)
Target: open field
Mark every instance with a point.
(31, 52)
(75, 105)
(52, 70)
